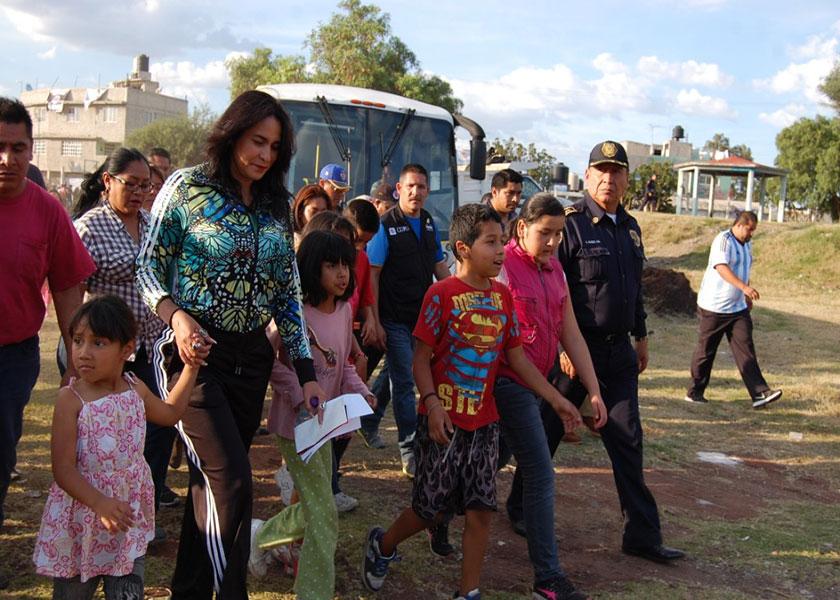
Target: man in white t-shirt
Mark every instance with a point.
(723, 305)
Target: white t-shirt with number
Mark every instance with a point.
(716, 294)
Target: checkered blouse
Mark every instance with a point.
(115, 253)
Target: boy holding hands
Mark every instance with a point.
(466, 323)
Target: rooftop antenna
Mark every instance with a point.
(653, 129)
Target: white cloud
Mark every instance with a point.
(784, 116)
(816, 57)
(47, 54)
(164, 27)
(689, 72)
(618, 89)
(187, 79)
(692, 102)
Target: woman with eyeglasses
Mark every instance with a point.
(218, 262)
(111, 223)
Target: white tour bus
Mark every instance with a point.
(373, 135)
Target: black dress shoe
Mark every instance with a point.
(658, 553)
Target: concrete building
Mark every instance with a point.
(674, 150)
(76, 128)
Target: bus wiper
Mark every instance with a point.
(343, 150)
(398, 134)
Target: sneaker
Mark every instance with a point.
(375, 566)
(765, 398)
(286, 484)
(409, 465)
(698, 399)
(286, 556)
(557, 589)
(258, 559)
(472, 595)
(15, 475)
(439, 540)
(372, 439)
(344, 503)
(169, 498)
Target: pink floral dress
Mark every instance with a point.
(109, 455)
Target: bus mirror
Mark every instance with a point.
(478, 159)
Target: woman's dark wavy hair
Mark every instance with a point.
(302, 198)
(315, 249)
(108, 317)
(248, 109)
(93, 186)
(542, 204)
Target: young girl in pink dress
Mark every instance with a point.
(99, 515)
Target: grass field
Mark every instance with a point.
(766, 527)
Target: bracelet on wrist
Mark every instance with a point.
(429, 395)
(172, 315)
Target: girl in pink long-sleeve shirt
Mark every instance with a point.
(325, 261)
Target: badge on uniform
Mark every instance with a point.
(634, 235)
(608, 149)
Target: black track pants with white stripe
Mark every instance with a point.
(217, 428)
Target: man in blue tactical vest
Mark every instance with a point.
(404, 255)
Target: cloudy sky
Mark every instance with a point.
(561, 74)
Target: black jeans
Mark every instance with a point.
(738, 328)
(20, 364)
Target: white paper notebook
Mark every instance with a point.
(341, 415)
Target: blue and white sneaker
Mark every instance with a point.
(375, 566)
(472, 595)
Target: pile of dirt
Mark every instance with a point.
(668, 292)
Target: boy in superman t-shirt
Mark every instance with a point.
(466, 323)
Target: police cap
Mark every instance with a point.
(608, 152)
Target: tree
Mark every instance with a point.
(718, 142)
(666, 184)
(741, 150)
(810, 149)
(355, 47)
(516, 151)
(183, 136)
(246, 73)
(831, 87)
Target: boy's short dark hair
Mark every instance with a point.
(363, 215)
(13, 111)
(504, 177)
(108, 317)
(466, 224)
(316, 248)
(157, 151)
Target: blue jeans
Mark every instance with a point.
(523, 433)
(400, 355)
(20, 364)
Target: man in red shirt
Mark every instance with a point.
(37, 243)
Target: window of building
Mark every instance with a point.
(39, 147)
(39, 114)
(73, 113)
(71, 148)
(109, 114)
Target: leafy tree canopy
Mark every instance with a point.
(516, 151)
(831, 87)
(666, 183)
(183, 136)
(355, 47)
(810, 149)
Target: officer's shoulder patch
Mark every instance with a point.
(571, 210)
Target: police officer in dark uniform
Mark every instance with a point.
(602, 255)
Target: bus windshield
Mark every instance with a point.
(372, 137)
